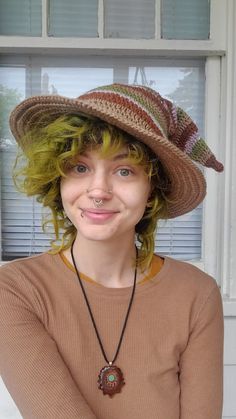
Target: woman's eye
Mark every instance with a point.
(80, 168)
(124, 172)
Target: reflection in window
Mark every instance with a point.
(72, 82)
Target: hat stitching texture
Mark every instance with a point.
(143, 113)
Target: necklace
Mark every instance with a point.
(110, 378)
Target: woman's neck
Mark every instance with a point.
(110, 264)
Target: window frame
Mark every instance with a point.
(35, 66)
(215, 45)
(219, 223)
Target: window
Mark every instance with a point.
(73, 18)
(182, 81)
(185, 19)
(119, 14)
(22, 18)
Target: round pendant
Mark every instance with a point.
(110, 380)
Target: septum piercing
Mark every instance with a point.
(97, 202)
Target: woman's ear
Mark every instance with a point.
(150, 197)
(149, 203)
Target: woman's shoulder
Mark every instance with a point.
(185, 276)
(189, 289)
(31, 279)
(25, 267)
(17, 264)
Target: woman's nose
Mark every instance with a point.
(99, 186)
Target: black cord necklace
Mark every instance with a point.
(110, 378)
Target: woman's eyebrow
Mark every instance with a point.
(120, 156)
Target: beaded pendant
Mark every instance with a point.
(110, 380)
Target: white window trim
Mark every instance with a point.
(210, 250)
(216, 45)
(228, 132)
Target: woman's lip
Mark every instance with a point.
(98, 215)
(98, 211)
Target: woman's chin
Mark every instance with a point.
(98, 233)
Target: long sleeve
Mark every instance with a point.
(31, 365)
(201, 364)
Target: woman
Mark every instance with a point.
(100, 327)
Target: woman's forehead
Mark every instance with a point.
(98, 152)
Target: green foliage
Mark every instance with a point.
(9, 98)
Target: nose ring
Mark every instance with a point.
(97, 202)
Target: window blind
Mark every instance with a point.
(180, 80)
(21, 17)
(73, 18)
(185, 19)
(129, 19)
(180, 19)
(181, 237)
(22, 216)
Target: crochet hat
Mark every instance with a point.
(146, 115)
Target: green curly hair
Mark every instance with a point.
(53, 148)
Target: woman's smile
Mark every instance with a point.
(105, 192)
(98, 215)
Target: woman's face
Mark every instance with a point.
(123, 188)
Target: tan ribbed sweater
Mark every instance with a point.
(171, 355)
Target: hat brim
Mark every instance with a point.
(188, 185)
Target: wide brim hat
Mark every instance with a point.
(146, 115)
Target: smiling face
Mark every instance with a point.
(122, 186)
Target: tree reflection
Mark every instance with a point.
(9, 98)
